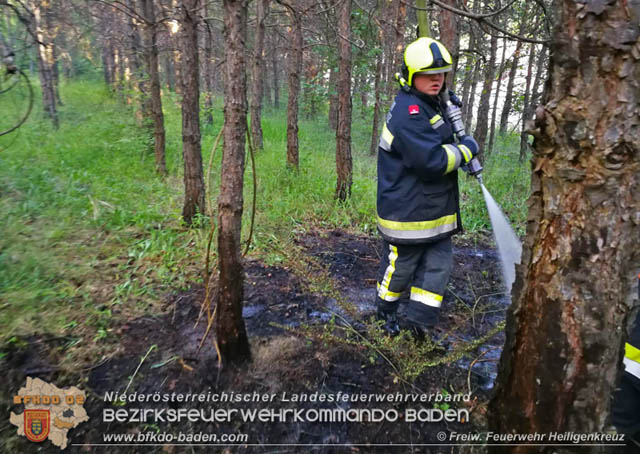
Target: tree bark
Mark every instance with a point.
(294, 70)
(572, 293)
(231, 334)
(258, 74)
(150, 33)
(191, 152)
(343, 131)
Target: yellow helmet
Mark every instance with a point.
(425, 55)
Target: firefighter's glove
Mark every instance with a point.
(422, 315)
(469, 148)
(454, 99)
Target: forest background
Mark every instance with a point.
(115, 186)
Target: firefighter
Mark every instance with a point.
(626, 399)
(418, 198)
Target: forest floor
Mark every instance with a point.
(305, 343)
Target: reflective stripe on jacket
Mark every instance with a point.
(632, 350)
(418, 197)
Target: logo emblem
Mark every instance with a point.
(414, 109)
(36, 425)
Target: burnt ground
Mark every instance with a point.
(278, 310)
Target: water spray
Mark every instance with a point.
(509, 246)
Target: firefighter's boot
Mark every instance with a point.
(388, 314)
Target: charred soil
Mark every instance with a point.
(291, 370)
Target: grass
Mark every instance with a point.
(88, 231)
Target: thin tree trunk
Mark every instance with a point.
(527, 112)
(573, 291)
(151, 57)
(169, 71)
(468, 112)
(206, 64)
(295, 68)
(482, 124)
(343, 131)
(397, 44)
(450, 37)
(375, 129)
(540, 66)
(466, 84)
(276, 81)
(231, 334)
(138, 76)
(45, 62)
(506, 109)
(191, 152)
(258, 70)
(492, 135)
(333, 99)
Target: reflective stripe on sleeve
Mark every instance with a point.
(632, 352)
(386, 138)
(436, 121)
(465, 152)
(383, 289)
(631, 367)
(418, 229)
(426, 297)
(453, 157)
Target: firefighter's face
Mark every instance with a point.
(430, 84)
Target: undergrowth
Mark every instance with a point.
(90, 232)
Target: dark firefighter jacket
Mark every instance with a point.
(418, 198)
(632, 351)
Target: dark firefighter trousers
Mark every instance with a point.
(425, 268)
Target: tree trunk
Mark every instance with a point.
(450, 37)
(572, 293)
(295, 68)
(230, 330)
(151, 56)
(45, 62)
(139, 82)
(375, 129)
(485, 97)
(468, 111)
(333, 99)
(492, 128)
(397, 44)
(343, 131)
(258, 71)
(527, 112)
(191, 153)
(276, 81)
(169, 71)
(540, 69)
(506, 108)
(206, 65)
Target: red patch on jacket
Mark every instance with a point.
(414, 109)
